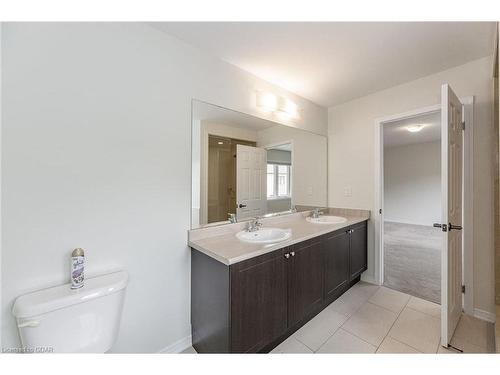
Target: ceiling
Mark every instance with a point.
(334, 62)
(396, 133)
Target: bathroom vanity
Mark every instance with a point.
(247, 298)
(255, 283)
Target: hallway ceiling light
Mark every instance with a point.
(414, 128)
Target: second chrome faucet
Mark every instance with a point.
(254, 224)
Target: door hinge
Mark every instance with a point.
(463, 125)
(463, 289)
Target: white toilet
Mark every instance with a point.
(63, 320)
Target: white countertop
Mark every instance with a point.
(221, 243)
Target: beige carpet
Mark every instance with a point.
(412, 260)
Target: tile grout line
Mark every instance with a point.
(353, 334)
(432, 316)
(303, 343)
(314, 351)
(408, 345)
(422, 312)
(395, 320)
(429, 315)
(307, 346)
(386, 309)
(405, 307)
(376, 346)
(383, 307)
(348, 317)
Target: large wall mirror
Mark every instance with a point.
(244, 166)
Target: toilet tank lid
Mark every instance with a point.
(50, 299)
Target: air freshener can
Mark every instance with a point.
(77, 268)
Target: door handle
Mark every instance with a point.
(456, 227)
(287, 255)
(292, 253)
(443, 227)
(241, 205)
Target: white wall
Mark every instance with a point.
(351, 154)
(412, 183)
(309, 163)
(96, 152)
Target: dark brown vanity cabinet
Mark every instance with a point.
(336, 261)
(273, 292)
(305, 279)
(358, 254)
(253, 305)
(258, 302)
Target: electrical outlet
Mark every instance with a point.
(309, 191)
(347, 191)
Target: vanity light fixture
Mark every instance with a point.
(220, 143)
(267, 101)
(414, 128)
(287, 107)
(282, 106)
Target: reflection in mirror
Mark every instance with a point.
(244, 166)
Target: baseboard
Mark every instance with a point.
(368, 279)
(485, 315)
(178, 346)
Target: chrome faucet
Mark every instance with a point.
(254, 225)
(232, 218)
(316, 213)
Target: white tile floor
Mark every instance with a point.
(372, 319)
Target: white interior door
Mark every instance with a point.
(451, 174)
(251, 169)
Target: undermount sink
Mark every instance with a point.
(264, 235)
(327, 219)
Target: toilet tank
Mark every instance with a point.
(65, 320)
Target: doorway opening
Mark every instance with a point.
(411, 204)
(221, 187)
(467, 190)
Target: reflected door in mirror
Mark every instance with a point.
(251, 174)
(221, 177)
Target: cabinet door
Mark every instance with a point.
(258, 302)
(358, 250)
(305, 280)
(336, 259)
